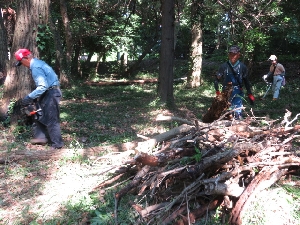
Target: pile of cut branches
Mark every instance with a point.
(180, 175)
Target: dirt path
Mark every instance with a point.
(41, 190)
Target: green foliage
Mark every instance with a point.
(198, 155)
(44, 36)
(11, 106)
(100, 218)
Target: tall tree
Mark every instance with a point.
(166, 65)
(194, 75)
(3, 50)
(18, 83)
(61, 60)
(68, 38)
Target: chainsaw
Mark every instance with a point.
(31, 110)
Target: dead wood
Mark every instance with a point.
(163, 158)
(121, 82)
(216, 161)
(134, 182)
(201, 211)
(151, 143)
(218, 106)
(147, 211)
(222, 160)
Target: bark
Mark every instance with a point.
(151, 143)
(68, 33)
(133, 184)
(62, 68)
(3, 52)
(194, 75)
(69, 38)
(218, 106)
(201, 211)
(9, 18)
(163, 159)
(166, 65)
(18, 82)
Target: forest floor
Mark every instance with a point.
(58, 191)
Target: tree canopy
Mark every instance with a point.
(132, 30)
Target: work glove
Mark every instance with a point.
(265, 77)
(251, 99)
(27, 101)
(218, 92)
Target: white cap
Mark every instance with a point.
(273, 57)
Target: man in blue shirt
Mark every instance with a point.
(236, 73)
(48, 95)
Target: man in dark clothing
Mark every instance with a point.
(236, 73)
(47, 94)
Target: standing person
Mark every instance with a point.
(276, 75)
(47, 94)
(236, 73)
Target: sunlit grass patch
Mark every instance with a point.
(273, 206)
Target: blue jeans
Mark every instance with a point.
(237, 101)
(277, 80)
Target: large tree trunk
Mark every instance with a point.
(19, 83)
(166, 73)
(194, 75)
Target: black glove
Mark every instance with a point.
(27, 101)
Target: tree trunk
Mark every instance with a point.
(68, 36)
(3, 51)
(63, 66)
(194, 75)
(19, 83)
(9, 18)
(166, 73)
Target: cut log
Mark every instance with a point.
(163, 158)
(148, 145)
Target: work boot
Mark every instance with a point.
(39, 141)
(274, 99)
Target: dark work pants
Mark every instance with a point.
(48, 124)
